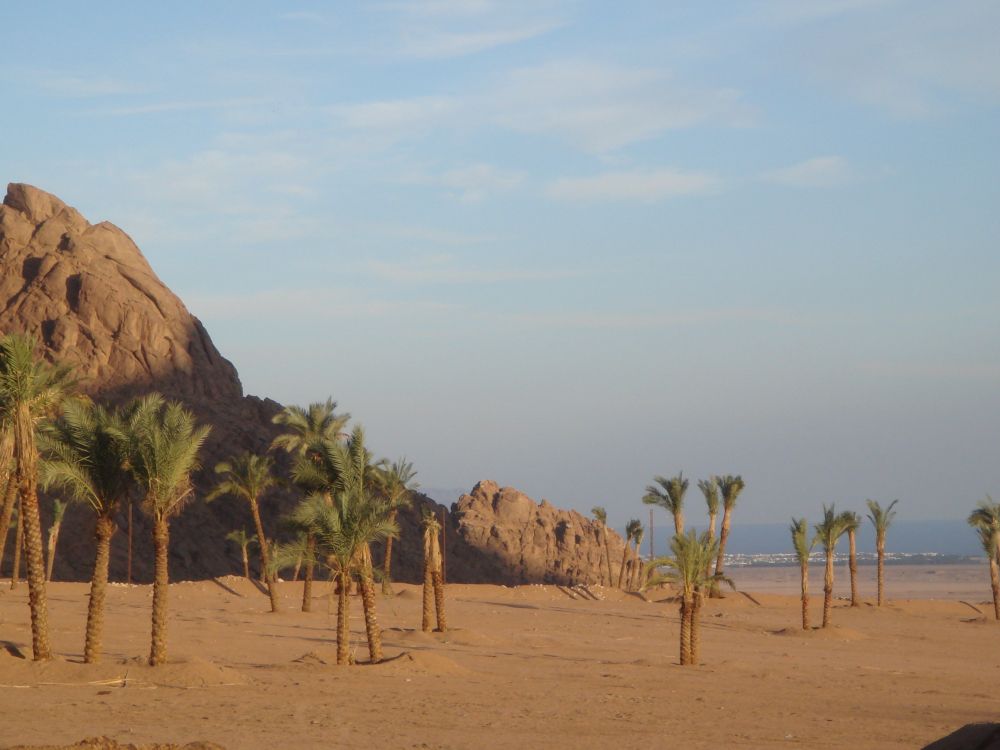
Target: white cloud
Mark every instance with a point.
(821, 171)
(407, 116)
(444, 7)
(81, 87)
(471, 183)
(644, 186)
(178, 106)
(442, 44)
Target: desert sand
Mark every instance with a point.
(524, 667)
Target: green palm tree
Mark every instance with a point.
(803, 545)
(669, 496)
(730, 488)
(985, 519)
(851, 522)
(687, 568)
(710, 489)
(240, 539)
(601, 516)
(828, 531)
(248, 476)
(8, 482)
(30, 391)
(58, 511)
(635, 579)
(881, 519)
(163, 445)
(309, 433)
(433, 579)
(15, 576)
(396, 483)
(630, 529)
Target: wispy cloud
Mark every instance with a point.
(644, 186)
(443, 44)
(81, 87)
(410, 116)
(314, 304)
(306, 16)
(437, 270)
(598, 319)
(473, 182)
(818, 172)
(178, 106)
(443, 7)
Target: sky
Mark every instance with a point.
(566, 245)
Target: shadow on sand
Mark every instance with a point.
(970, 737)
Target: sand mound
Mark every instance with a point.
(834, 633)
(426, 662)
(463, 637)
(318, 656)
(106, 743)
(409, 635)
(193, 673)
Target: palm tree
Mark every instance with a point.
(630, 528)
(852, 521)
(669, 496)
(803, 545)
(240, 539)
(309, 433)
(710, 489)
(637, 560)
(688, 568)
(30, 390)
(15, 576)
(828, 531)
(881, 519)
(396, 484)
(433, 591)
(58, 511)
(601, 516)
(248, 476)
(8, 482)
(985, 519)
(730, 488)
(163, 445)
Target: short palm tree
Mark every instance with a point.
(828, 532)
(803, 544)
(240, 539)
(58, 511)
(881, 519)
(601, 516)
(30, 391)
(630, 529)
(985, 519)
(163, 445)
(396, 483)
(687, 568)
(730, 488)
(433, 578)
(635, 579)
(851, 522)
(248, 477)
(669, 495)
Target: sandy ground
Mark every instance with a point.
(525, 667)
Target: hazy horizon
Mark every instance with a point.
(561, 245)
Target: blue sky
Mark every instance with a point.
(565, 245)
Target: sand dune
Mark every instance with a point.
(530, 666)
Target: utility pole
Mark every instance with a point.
(650, 533)
(444, 544)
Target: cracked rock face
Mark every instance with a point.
(90, 295)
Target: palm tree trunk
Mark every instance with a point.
(427, 623)
(437, 580)
(686, 607)
(711, 535)
(307, 576)
(387, 563)
(161, 586)
(371, 621)
(607, 554)
(828, 588)
(679, 523)
(695, 631)
(995, 586)
(246, 562)
(343, 618)
(9, 501)
(636, 570)
(128, 567)
(805, 595)
(15, 575)
(852, 566)
(621, 572)
(295, 570)
(723, 538)
(265, 558)
(53, 539)
(98, 588)
(881, 565)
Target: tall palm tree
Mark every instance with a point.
(630, 528)
(688, 567)
(30, 391)
(851, 522)
(803, 545)
(163, 446)
(240, 539)
(8, 482)
(730, 488)
(881, 519)
(985, 519)
(58, 511)
(669, 496)
(634, 582)
(710, 489)
(15, 576)
(601, 516)
(397, 483)
(433, 580)
(828, 532)
(309, 433)
(248, 476)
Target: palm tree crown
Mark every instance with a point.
(308, 429)
(830, 529)
(246, 476)
(670, 496)
(801, 540)
(880, 517)
(710, 489)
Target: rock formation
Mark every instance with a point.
(91, 298)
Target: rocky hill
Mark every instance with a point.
(88, 294)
